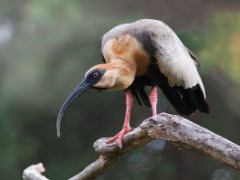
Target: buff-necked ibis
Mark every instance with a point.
(145, 53)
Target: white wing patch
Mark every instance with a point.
(173, 58)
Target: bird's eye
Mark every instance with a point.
(95, 74)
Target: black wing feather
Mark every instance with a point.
(185, 101)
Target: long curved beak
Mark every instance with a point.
(83, 86)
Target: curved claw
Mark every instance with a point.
(119, 137)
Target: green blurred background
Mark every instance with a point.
(45, 48)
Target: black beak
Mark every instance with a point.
(83, 86)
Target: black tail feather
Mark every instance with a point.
(144, 96)
(186, 101)
(140, 94)
(196, 97)
(135, 94)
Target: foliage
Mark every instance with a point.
(219, 44)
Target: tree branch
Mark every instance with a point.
(33, 172)
(175, 129)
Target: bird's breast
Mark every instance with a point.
(129, 49)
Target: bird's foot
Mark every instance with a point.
(119, 136)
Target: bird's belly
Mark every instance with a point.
(142, 62)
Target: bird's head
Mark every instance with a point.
(101, 77)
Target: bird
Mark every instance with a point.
(139, 54)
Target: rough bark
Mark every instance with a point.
(176, 130)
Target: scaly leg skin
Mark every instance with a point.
(153, 99)
(126, 126)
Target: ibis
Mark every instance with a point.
(144, 53)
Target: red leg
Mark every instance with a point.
(153, 99)
(126, 126)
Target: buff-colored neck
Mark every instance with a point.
(119, 74)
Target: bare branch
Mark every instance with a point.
(175, 129)
(33, 172)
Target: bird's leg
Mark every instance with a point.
(126, 126)
(153, 99)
